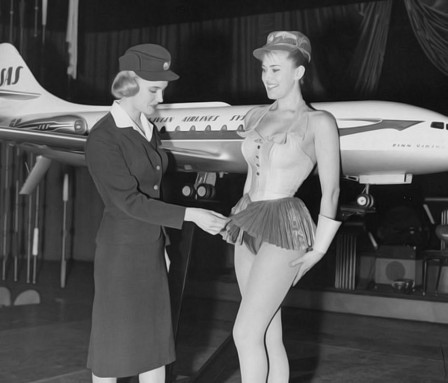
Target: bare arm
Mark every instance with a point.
(326, 143)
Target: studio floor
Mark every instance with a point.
(47, 342)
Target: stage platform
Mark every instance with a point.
(379, 302)
(47, 342)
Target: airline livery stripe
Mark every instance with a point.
(384, 124)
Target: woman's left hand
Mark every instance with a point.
(305, 263)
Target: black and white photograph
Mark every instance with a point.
(223, 191)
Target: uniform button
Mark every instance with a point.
(258, 165)
(258, 147)
(257, 157)
(156, 187)
(258, 174)
(158, 167)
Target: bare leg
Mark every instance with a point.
(97, 379)
(278, 360)
(154, 376)
(264, 281)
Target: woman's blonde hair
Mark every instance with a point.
(125, 84)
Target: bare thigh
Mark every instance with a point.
(264, 281)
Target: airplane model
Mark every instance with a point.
(381, 142)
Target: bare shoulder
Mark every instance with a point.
(322, 122)
(254, 113)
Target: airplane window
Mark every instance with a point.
(437, 125)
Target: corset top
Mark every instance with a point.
(278, 164)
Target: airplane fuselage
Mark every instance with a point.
(382, 147)
(381, 142)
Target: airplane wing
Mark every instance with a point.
(43, 140)
(65, 148)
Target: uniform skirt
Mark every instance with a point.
(131, 318)
(284, 222)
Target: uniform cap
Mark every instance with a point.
(285, 41)
(149, 61)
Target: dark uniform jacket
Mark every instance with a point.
(127, 171)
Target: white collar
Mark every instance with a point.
(123, 120)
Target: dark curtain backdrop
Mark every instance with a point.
(214, 59)
(429, 20)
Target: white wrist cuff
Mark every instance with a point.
(325, 232)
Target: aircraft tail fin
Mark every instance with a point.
(16, 80)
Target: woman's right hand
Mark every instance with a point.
(207, 220)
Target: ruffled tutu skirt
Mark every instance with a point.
(284, 222)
